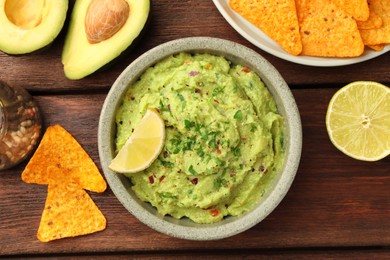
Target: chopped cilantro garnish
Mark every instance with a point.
(198, 127)
(213, 141)
(236, 151)
(200, 151)
(189, 144)
(166, 163)
(219, 182)
(217, 91)
(175, 141)
(220, 162)
(189, 123)
(192, 171)
(182, 99)
(163, 107)
(238, 115)
(253, 127)
(167, 195)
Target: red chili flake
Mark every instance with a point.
(232, 174)
(214, 212)
(194, 181)
(218, 150)
(246, 69)
(158, 110)
(216, 101)
(151, 179)
(132, 98)
(161, 178)
(199, 91)
(165, 154)
(263, 169)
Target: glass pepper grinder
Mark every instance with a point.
(20, 125)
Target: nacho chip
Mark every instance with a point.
(69, 211)
(357, 8)
(327, 31)
(60, 149)
(374, 21)
(378, 47)
(277, 19)
(382, 34)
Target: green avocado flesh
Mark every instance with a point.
(29, 25)
(224, 137)
(81, 58)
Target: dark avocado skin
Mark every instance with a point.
(129, 49)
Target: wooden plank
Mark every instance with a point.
(334, 200)
(171, 20)
(275, 254)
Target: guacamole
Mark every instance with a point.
(224, 137)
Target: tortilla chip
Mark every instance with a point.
(374, 21)
(382, 34)
(69, 211)
(277, 19)
(357, 8)
(378, 47)
(60, 149)
(327, 31)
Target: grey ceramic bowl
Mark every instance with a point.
(185, 228)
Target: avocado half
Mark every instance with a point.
(99, 31)
(27, 26)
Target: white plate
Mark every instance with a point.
(261, 40)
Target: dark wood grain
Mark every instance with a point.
(334, 201)
(171, 20)
(336, 207)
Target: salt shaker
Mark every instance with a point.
(20, 125)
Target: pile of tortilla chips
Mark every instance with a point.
(322, 28)
(62, 164)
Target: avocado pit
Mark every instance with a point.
(104, 18)
(100, 33)
(26, 14)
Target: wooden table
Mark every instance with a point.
(336, 207)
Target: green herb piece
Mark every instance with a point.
(219, 182)
(189, 144)
(217, 91)
(167, 195)
(236, 151)
(183, 101)
(189, 123)
(163, 108)
(175, 141)
(220, 162)
(200, 151)
(166, 163)
(213, 141)
(192, 171)
(235, 88)
(198, 127)
(238, 115)
(253, 127)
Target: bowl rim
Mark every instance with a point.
(236, 53)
